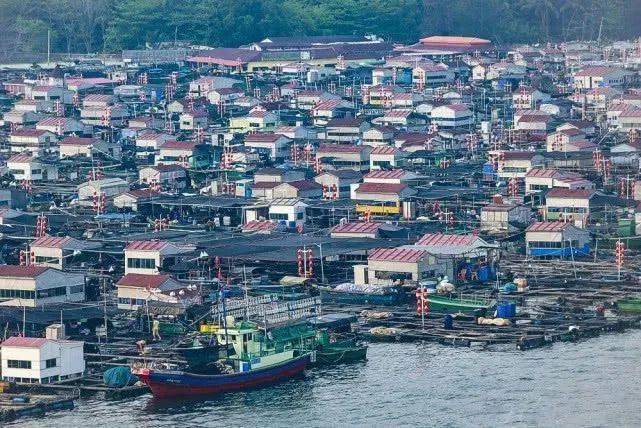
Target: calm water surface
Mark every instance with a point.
(593, 383)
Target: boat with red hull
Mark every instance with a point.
(168, 384)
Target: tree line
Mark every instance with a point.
(87, 26)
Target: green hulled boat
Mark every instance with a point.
(448, 304)
(630, 305)
(338, 352)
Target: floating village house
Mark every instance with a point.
(41, 360)
(33, 286)
(556, 239)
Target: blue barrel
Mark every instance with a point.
(506, 310)
(448, 322)
(512, 309)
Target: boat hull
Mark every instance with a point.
(168, 384)
(446, 305)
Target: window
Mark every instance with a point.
(52, 292)
(52, 260)
(18, 364)
(141, 263)
(124, 300)
(299, 216)
(17, 294)
(277, 216)
(51, 363)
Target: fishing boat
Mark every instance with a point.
(364, 294)
(257, 361)
(630, 305)
(330, 352)
(199, 355)
(455, 303)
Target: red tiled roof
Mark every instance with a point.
(356, 227)
(146, 245)
(381, 188)
(400, 255)
(22, 271)
(52, 241)
(547, 226)
(142, 281)
(25, 342)
(442, 240)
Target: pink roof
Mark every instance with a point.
(146, 245)
(394, 174)
(543, 173)
(398, 113)
(558, 192)
(381, 188)
(77, 141)
(15, 271)
(259, 226)
(142, 281)
(547, 226)
(53, 121)
(442, 240)
(400, 255)
(28, 132)
(177, 145)
(356, 227)
(596, 71)
(454, 40)
(52, 241)
(262, 137)
(339, 148)
(21, 157)
(25, 342)
(384, 150)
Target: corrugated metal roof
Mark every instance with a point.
(547, 226)
(15, 271)
(381, 188)
(401, 255)
(142, 281)
(382, 174)
(25, 342)
(52, 242)
(259, 226)
(558, 192)
(442, 240)
(356, 227)
(146, 245)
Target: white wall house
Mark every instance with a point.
(33, 286)
(40, 360)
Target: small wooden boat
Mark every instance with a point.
(448, 304)
(630, 305)
(329, 351)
